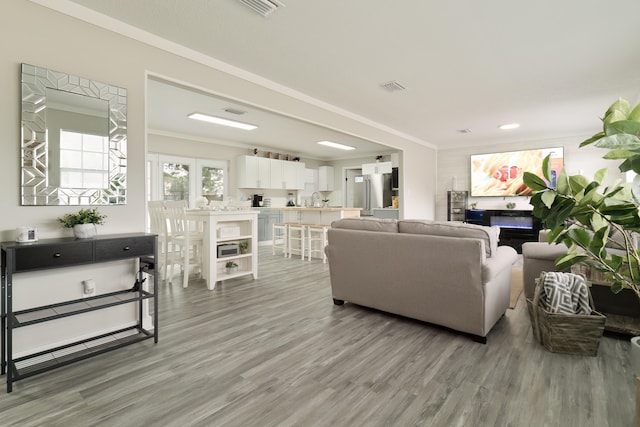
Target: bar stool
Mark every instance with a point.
(296, 234)
(317, 233)
(280, 231)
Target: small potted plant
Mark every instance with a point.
(244, 246)
(83, 222)
(232, 267)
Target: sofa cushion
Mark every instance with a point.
(367, 224)
(453, 229)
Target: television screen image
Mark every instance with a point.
(500, 174)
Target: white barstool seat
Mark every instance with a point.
(316, 240)
(296, 239)
(280, 234)
(185, 242)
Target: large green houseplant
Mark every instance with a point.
(590, 217)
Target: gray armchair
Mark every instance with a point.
(536, 258)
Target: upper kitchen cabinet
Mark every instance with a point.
(254, 172)
(376, 168)
(325, 178)
(261, 172)
(287, 175)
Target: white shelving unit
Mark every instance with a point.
(246, 225)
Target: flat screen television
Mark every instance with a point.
(500, 174)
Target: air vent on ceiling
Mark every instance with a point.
(392, 86)
(263, 7)
(234, 111)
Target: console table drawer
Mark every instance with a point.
(124, 248)
(50, 256)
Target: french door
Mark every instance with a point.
(186, 178)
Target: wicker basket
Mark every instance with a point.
(565, 333)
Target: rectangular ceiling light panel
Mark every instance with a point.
(336, 145)
(221, 121)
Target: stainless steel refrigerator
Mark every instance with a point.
(371, 191)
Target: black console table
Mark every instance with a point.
(67, 252)
(516, 226)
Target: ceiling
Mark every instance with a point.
(552, 66)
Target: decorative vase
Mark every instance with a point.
(84, 231)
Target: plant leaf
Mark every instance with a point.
(545, 167)
(635, 189)
(562, 184)
(548, 197)
(635, 114)
(618, 154)
(621, 105)
(579, 236)
(622, 127)
(559, 213)
(534, 182)
(593, 139)
(614, 116)
(569, 259)
(598, 242)
(601, 176)
(578, 183)
(619, 141)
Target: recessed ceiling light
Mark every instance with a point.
(336, 145)
(509, 126)
(221, 121)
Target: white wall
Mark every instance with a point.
(456, 163)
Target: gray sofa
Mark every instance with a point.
(446, 273)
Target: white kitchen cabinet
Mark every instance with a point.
(375, 168)
(277, 174)
(253, 172)
(325, 178)
(287, 175)
(261, 172)
(395, 160)
(293, 175)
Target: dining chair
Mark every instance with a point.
(158, 225)
(185, 239)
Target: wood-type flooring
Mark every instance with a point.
(277, 352)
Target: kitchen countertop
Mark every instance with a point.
(314, 209)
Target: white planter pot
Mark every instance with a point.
(232, 270)
(84, 231)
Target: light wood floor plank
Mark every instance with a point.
(277, 352)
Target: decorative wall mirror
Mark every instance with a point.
(74, 140)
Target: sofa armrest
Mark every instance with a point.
(504, 258)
